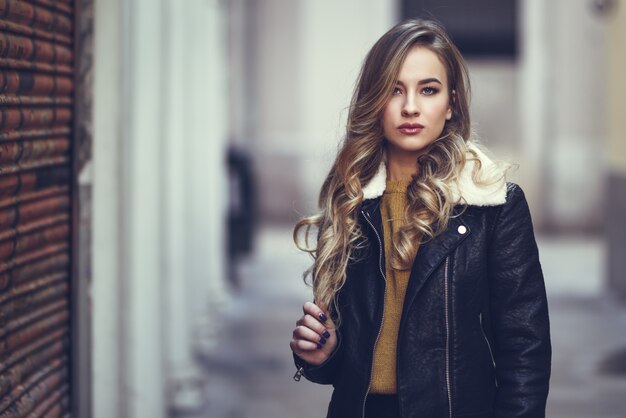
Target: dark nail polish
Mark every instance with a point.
(326, 334)
(322, 340)
(323, 317)
(319, 346)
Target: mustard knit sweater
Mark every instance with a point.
(393, 204)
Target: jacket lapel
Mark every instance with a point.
(373, 224)
(432, 254)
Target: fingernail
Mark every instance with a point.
(322, 340)
(319, 346)
(322, 316)
(326, 334)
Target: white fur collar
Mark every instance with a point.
(490, 192)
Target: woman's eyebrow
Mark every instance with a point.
(429, 80)
(424, 81)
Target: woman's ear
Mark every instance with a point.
(451, 105)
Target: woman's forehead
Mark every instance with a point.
(421, 65)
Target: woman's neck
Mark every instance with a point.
(401, 167)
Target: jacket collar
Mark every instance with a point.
(490, 191)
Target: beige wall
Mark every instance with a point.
(575, 126)
(562, 113)
(616, 149)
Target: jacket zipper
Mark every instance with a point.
(380, 327)
(298, 374)
(480, 318)
(482, 329)
(447, 317)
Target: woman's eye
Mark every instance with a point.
(429, 91)
(396, 90)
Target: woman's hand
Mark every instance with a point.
(314, 338)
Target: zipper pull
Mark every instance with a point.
(298, 374)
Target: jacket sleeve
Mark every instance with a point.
(519, 313)
(326, 372)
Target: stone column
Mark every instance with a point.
(160, 125)
(107, 385)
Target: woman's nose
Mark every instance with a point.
(410, 107)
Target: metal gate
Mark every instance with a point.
(36, 108)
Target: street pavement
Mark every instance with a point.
(249, 368)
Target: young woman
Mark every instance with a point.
(429, 295)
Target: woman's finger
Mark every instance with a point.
(300, 346)
(315, 325)
(320, 314)
(305, 333)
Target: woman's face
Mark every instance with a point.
(419, 106)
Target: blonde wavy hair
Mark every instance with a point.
(429, 195)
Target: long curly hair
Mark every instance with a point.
(429, 195)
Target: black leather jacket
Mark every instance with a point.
(474, 334)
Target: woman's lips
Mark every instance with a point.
(410, 128)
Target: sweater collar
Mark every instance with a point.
(490, 191)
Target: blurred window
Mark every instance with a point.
(480, 28)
